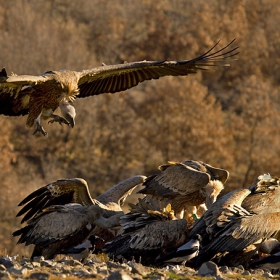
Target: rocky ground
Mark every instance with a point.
(98, 267)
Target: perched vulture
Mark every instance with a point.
(40, 95)
(147, 233)
(59, 228)
(62, 215)
(189, 183)
(232, 233)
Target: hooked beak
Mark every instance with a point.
(71, 122)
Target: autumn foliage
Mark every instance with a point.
(228, 118)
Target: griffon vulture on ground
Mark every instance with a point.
(63, 215)
(147, 232)
(40, 95)
(188, 183)
(61, 227)
(235, 226)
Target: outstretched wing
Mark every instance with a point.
(15, 92)
(118, 193)
(10, 105)
(175, 178)
(115, 78)
(61, 192)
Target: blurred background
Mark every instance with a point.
(228, 118)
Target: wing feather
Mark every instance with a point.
(15, 91)
(11, 102)
(32, 208)
(157, 235)
(228, 227)
(119, 192)
(176, 178)
(57, 193)
(23, 80)
(56, 223)
(115, 78)
(242, 232)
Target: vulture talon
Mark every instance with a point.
(39, 128)
(58, 119)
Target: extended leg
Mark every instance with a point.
(39, 128)
(58, 119)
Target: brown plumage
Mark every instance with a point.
(39, 96)
(265, 196)
(188, 183)
(75, 190)
(62, 215)
(146, 233)
(228, 228)
(61, 227)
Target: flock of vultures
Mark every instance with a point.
(181, 217)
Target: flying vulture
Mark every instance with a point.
(232, 229)
(39, 96)
(62, 215)
(188, 183)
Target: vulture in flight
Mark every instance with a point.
(62, 215)
(39, 96)
(187, 183)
